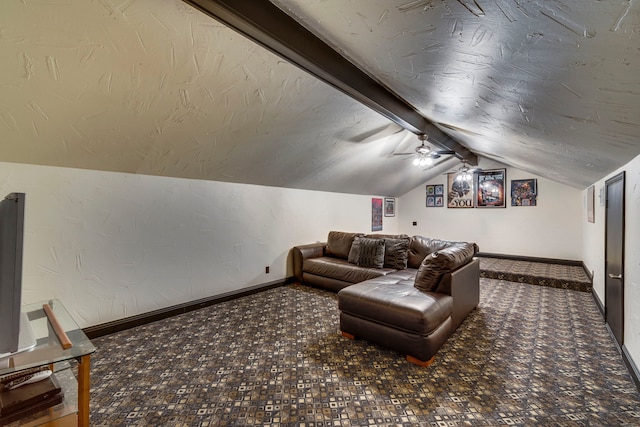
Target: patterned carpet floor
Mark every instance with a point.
(536, 273)
(528, 356)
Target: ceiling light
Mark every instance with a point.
(423, 153)
(464, 173)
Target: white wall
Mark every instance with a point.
(593, 253)
(112, 245)
(549, 230)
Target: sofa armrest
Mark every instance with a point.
(463, 284)
(300, 253)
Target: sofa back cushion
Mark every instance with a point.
(420, 247)
(442, 261)
(339, 244)
(371, 252)
(387, 236)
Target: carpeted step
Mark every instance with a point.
(536, 273)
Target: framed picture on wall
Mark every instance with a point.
(524, 192)
(376, 214)
(435, 195)
(459, 192)
(591, 196)
(389, 206)
(490, 188)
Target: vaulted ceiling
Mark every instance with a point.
(158, 87)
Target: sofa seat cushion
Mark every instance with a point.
(400, 306)
(340, 269)
(407, 275)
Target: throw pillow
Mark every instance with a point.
(371, 253)
(354, 253)
(436, 264)
(396, 253)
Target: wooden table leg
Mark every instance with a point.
(83, 390)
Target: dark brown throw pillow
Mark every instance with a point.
(436, 264)
(354, 252)
(371, 253)
(396, 253)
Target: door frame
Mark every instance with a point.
(610, 181)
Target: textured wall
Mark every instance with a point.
(551, 229)
(112, 245)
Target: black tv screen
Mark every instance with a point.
(11, 241)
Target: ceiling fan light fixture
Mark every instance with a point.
(464, 173)
(422, 161)
(423, 158)
(463, 177)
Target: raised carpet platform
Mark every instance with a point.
(561, 276)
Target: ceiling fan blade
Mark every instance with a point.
(378, 134)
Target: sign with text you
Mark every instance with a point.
(459, 192)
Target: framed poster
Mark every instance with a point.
(376, 214)
(459, 192)
(524, 192)
(435, 195)
(389, 206)
(591, 196)
(490, 188)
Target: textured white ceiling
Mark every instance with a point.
(552, 87)
(156, 87)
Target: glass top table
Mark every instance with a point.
(49, 348)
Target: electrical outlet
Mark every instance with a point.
(266, 269)
(415, 223)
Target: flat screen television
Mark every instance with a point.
(15, 333)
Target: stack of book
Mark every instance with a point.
(20, 398)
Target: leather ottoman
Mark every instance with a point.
(391, 312)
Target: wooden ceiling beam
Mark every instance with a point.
(269, 26)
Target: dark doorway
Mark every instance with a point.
(614, 257)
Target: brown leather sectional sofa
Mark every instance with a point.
(411, 301)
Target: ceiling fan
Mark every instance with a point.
(464, 172)
(424, 155)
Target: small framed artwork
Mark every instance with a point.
(490, 188)
(591, 196)
(459, 192)
(389, 206)
(435, 195)
(524, 192)
(376, 214)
